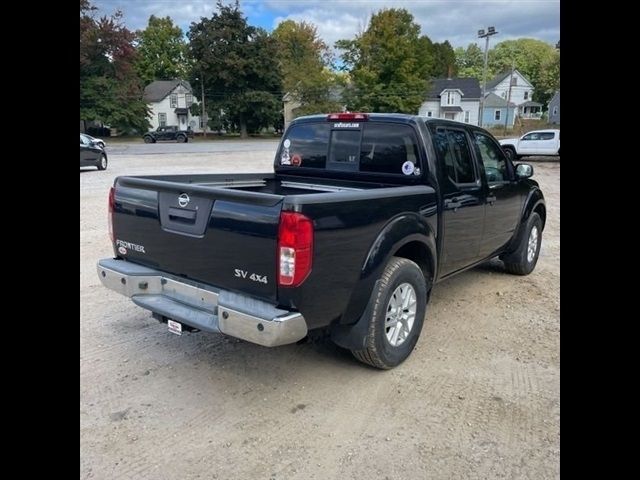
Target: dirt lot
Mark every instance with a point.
(479, 398)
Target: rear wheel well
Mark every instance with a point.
(419, 253)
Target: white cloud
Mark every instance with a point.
(453, 20)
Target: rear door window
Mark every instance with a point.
(452, 147)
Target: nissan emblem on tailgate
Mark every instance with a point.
(183, 200)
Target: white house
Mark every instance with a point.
(454, 99)
(169, 102)
(521, 93)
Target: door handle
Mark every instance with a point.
(452, 203)
(492, 199)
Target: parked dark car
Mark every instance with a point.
(91, 154)
(363, 215)
(168, 133)
(98, 141)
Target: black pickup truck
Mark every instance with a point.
(171, 133)
(363, 215)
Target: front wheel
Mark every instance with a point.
(102, 164)
(181, 139)
(510, 153)
(525, 257)
(398, 306)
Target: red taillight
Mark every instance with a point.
(295, 249)
(347, 116)
(112, 200)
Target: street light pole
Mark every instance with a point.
(506, 119)
(204, 110)
(482, 34)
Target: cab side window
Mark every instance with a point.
(452, 146)
(495, 163)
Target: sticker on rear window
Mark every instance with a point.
(408, 168)
(346, 125)
(287, 143)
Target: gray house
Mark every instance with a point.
(454, 99)
(521, 93)
(554, 108)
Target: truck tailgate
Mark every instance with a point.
(222, 237)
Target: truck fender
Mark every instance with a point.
(402, 231)
(533, 202)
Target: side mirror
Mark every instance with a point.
(524, 170)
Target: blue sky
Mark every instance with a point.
(453, 20)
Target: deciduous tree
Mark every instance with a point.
(238, 63)
(161, 51)
(110, 89)
(387, 64)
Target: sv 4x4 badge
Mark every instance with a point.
(253, 276)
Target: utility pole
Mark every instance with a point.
(506, 119)
(204, 110)
(482, 34)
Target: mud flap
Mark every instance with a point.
(353, 337)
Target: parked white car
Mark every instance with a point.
(537, 142)
(91, 139)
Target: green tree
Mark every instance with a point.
(304, 61)
(537, 60)
(388, 67)
(444, 60)
(239, 65)
(110, 89)
(470, 62)
(161, 51)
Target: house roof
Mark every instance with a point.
(493, 100)
(157, 90)
(470, 87)
(501, 76)
(530, 104)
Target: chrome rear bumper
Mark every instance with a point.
(201, 306)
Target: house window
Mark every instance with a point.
(466, 116)
(189, 98)
(162, 119)
(429, 114)
(555, 110)
(497, 114)
(514, 81)
(526, 95)
(174, 100)
(449, 98)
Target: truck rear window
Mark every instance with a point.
(371, 147)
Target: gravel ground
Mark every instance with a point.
(478, 398)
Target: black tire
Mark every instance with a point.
(181, 139)
(510, 153)
(519, 262)
(379, 351)
(149, 139)
(102, 163)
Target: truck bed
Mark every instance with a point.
(207, 228)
